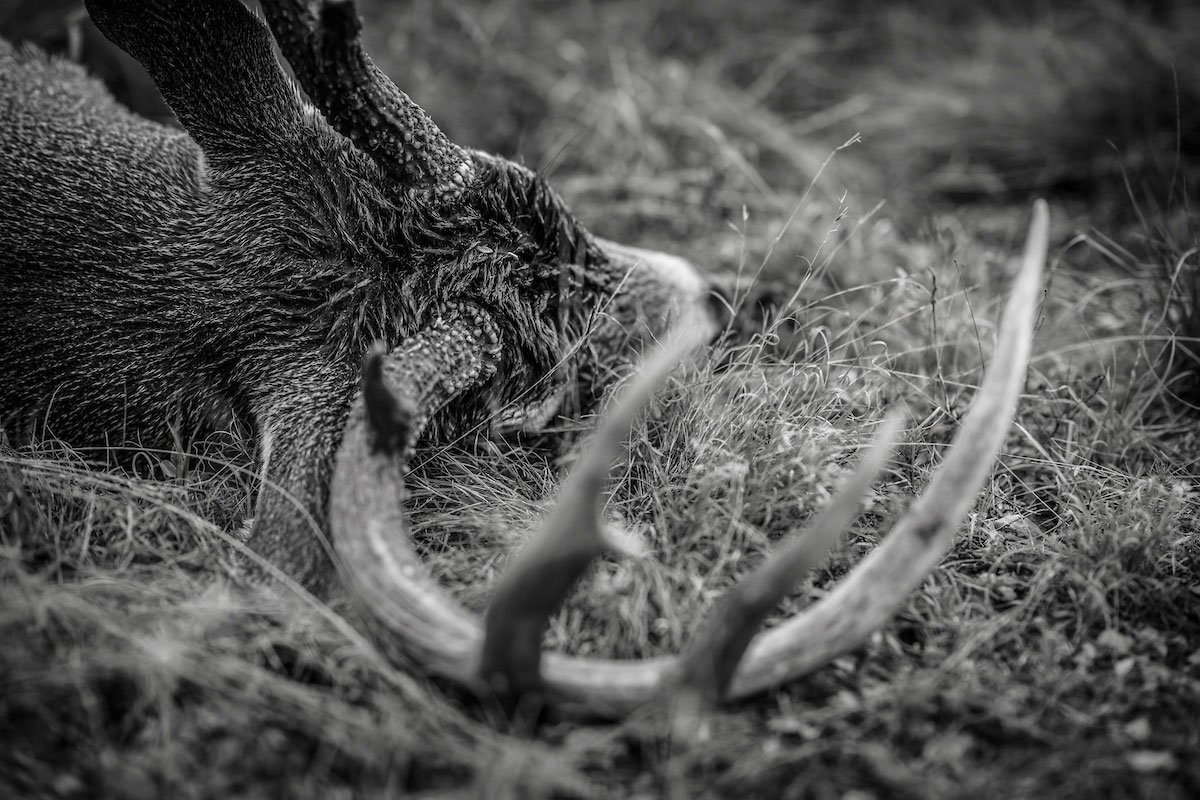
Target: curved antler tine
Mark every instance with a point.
(871, 593)
(709, 665)
(401, 602)
(571, 537)
(360, 102)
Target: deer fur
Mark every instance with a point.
(160, 283)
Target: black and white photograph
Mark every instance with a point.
(642, 399)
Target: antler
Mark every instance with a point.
(414, 619)
(358, 100)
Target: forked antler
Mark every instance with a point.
(415, 620)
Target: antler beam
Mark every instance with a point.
(415, 619)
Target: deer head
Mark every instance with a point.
(245, 270)
(413, 222)
(254, 263)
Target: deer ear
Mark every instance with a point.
(214, 64)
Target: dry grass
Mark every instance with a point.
(1056, 650)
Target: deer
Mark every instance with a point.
(312, 264)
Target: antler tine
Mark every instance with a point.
(400, 601)
(709, 665)
(360, 102)
(570, 538)
(871, 593)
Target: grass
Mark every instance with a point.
(1055, 652)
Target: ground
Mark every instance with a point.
(858, 178)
